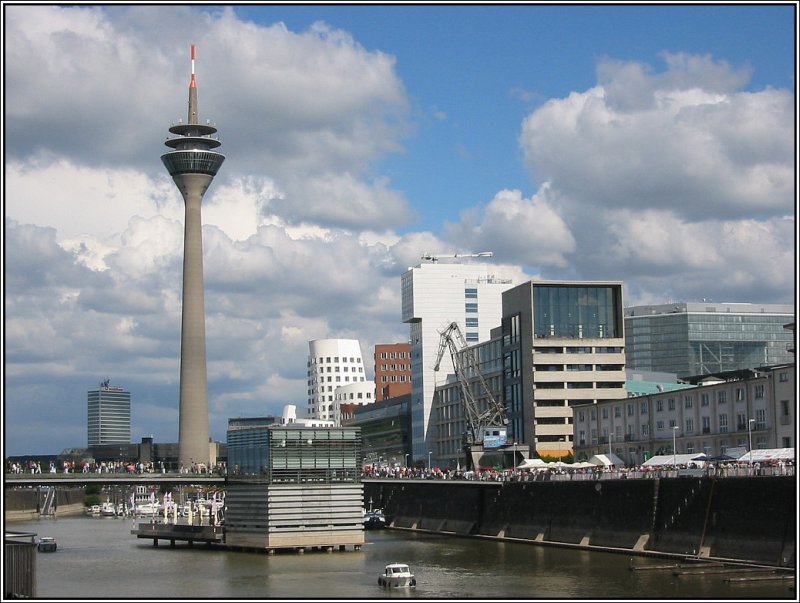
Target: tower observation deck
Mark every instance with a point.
(193, 164)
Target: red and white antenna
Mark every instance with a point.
(193, 83)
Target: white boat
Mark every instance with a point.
(374, 520)
(108, 509)
(47, 544)
(149, 509)
(93, 510)
(397, 575)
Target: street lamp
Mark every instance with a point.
(406, 460)
(610, 436)
(674, 432)
(750, 437)
(429, 461)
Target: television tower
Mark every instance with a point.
(193, 164)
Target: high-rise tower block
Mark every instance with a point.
(193, 164)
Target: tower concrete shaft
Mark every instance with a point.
(193, 165)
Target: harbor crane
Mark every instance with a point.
(487, 427)
(435, 258)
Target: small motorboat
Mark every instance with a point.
(374, 520)
(397, 575)
(47, 544)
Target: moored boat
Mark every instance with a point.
(374, 520)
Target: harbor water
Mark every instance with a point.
(99, 558)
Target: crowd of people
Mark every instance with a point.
(721, 469)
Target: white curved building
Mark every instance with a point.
(360, 393)
(332, 363)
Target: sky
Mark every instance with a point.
(650, 144)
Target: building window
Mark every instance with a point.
(659, 405)
(723, 423)
(739, 394)
(471, 308)
(722, 397)
(471, 293)
(761, 419)
(704, 399)
(631, 410)
(643, 407)
(671, 404)
(688, 401)
(689, 425)
(758, 391)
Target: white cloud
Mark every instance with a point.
(528, 231)
(675, 182)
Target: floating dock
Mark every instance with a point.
(208, 535)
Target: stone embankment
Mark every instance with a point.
(23, 504)
(751, 519)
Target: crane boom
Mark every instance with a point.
(465, 365)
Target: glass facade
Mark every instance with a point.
(575, 311)
(295, 455)
(690, 343)
(192, 162)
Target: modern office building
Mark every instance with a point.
(700, 338)
(732, 412)
(293, 487)
(109, 415)
(563, 345)
(332, 363)
(193, 164)
(385, 431)
(434, 294)
(392, 370)
(352, 394)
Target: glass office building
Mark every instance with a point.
(691, 339)
(562, 345)
(291, 454)
(109, 415)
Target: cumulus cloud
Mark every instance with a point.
(654, 141)
(674, 182)
(678, 182)
(528, 231)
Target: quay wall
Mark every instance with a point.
(22, 504)
(750, 519)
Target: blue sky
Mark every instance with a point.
(652, 144)
(486, 67)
